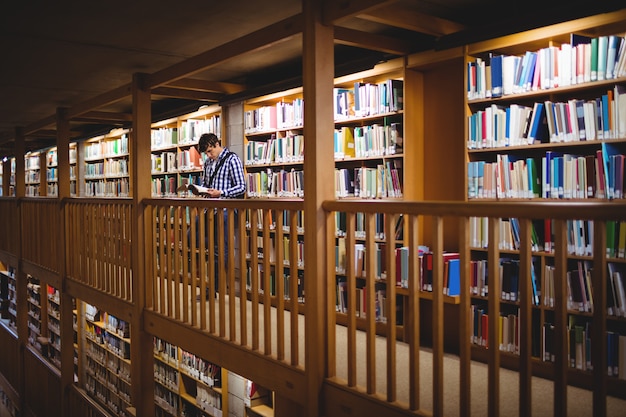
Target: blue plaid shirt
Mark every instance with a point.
(229, 178)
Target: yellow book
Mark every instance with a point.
(348, 142)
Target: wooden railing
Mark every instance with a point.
(363, 374)
(41, 228)
(10, 226)
(98, 244)
(428, 221)
(180, 277)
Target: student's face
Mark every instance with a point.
(212, 152)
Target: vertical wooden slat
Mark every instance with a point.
(390, 222)
(244, 250)
(187, 253)
(176, 255)
(370, 298)
(465, 352)
(212, 219)
(412, 322)
(221, 271)
(231, 274)
(254, 281)
(525, 319)
(437, 316)
(164, 259)
(293, 290)
(267, 286)
(351, 288)
(280, 286)
(169, 219)
(560, 317)
(201, 238)
(493, 266)
(599, 343)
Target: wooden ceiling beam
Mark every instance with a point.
(405, 18)
(100, 101)
(255, 41)
(208, 86)
(336, 11)
(44, 133)
(187, 94)
(351, 37)
(101, 116)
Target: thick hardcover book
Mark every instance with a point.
(194, 189)
(496, 75)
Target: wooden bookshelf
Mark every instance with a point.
(175, 160)
(187, 384)
(560, 125)
(106, 357)
(106, 171)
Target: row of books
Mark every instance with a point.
(579, 236)
(560, 176)
(360, 221)
(508, 275)
(192, 129)
(188, 134)
(108, 168)
(451, 268)
(108, 188)
(368, 99)
(107, 148)
(276, 150)
(575, 120)
(374, 140)
(365, 182)
(582, 60)
(282, 115)
(168, 162)
(275, 183)
(273, 216)
(507, 323)
(271, 251)
(578, 341)
(287, 277)
(380, 301)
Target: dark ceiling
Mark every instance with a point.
(62, 54)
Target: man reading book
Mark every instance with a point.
(223, 178)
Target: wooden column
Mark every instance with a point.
(318, 72)
(142, 362)
(20, 278)
(67, 306)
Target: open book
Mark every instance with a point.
(194, 188)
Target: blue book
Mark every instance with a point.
(610, 160)
(454, 277)
(528, 79)
(480, 178)
(533, 281)
(471, 179)
(496, 75)
(535, 122)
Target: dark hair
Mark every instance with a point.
(206, 140)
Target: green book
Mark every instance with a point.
(594, 59)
